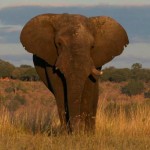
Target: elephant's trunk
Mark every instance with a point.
(75, 86)
(76, 73)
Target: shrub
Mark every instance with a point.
(13, 105)
(115, 75)
(6, 69)
(14, 87)
(20, 99)
(20, 86)
(16, 102)
(9, 89)
(2, 100)
(25, 73)
(133, 87)
(147, 94)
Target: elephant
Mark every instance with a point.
(69, 51)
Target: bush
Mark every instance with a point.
(133, 87)
(25, 73)
(13, 105)
(14, 87)
(2, 100)
(16, 102)
(20, 99)
(6, 69)
(9, 90)
(115, 75)
(147, 94)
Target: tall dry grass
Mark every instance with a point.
(130, 119)
(119, 126)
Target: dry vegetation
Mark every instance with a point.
(123, 123)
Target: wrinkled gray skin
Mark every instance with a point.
(67, 51)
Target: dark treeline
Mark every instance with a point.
(23, 72)
(112, 74)
(125, 74)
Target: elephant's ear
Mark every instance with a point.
(37, 37)
(110, 39)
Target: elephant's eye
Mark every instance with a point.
(92, 46)
(59, 44)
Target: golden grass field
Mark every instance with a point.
(122, 123)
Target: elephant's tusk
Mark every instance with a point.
(96, 72)
(56, 68)
(101, 72)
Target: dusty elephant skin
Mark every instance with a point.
(67, 52)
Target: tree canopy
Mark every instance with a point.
(6, 69)
(24, 72)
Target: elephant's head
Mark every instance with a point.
(74, 44)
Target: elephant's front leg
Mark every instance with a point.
(54, 83)
(59, 87)
(89, 103)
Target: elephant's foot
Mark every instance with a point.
(82, 124)
(90, 124)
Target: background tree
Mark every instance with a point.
(6, 69)
(116, 75)
(29, 75)
(136, 66)
(17, 72)
(25, 73)
(136, 71)
(25, 66)
(112, 74)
